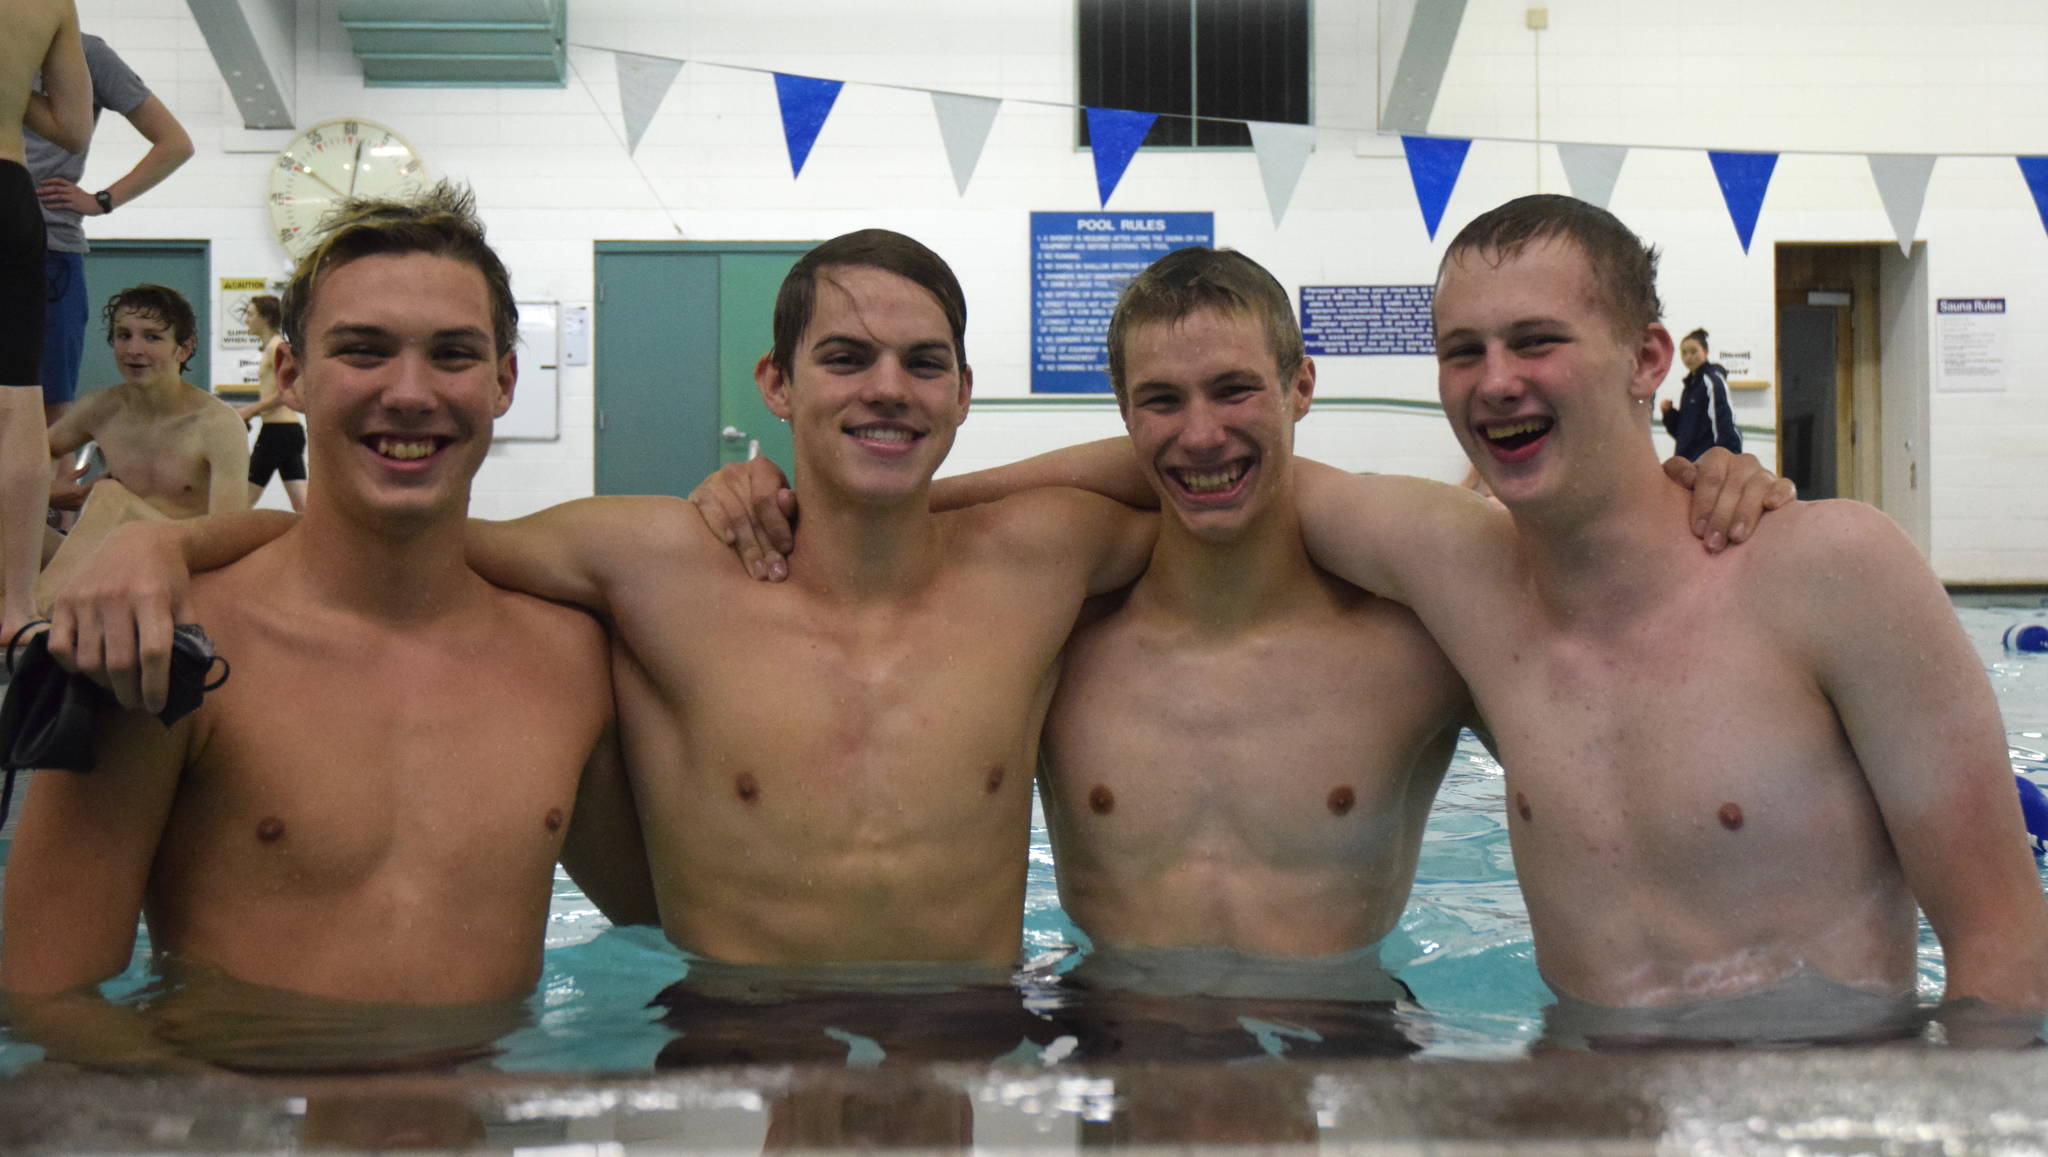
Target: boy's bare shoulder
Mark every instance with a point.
(1831, 534)
(1046, 517)
(537, 624)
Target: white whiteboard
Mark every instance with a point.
(535, 415)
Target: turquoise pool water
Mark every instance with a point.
(1462, 944)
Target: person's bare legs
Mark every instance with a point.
(295, 489)
(256, 494)
(24, 494)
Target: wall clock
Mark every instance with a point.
(329, 163)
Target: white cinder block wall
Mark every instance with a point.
(553, 177)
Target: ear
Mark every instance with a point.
(1652, 355)
(774, 386)
(186, 349)
(288, 371)
(966, 390)
(1304, 387)
(508, 376)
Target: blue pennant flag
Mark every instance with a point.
(1744, 177)
(806, 101)
(1433, 164)
(1115, 134)
(2035, 169)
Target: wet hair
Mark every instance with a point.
(881, 249)
(267, 307)
(1697, 337)
(1624, 269)
(157, 303)
(439, 220)
(1188, 280)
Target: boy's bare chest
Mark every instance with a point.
(345, 767)
(158, 457)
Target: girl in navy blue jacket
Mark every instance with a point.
(1702, 417)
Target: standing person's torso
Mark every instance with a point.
(114, 86)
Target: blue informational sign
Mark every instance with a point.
(1367, 320)
(1080, 262)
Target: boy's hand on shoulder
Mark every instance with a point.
(1730, 495)
(750, 508)
(112, 622)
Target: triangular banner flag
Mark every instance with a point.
(2035, 169)
(1902, 186)
(1115, 134)
(1433, 164)
(1591, 170)
(806, 101)
(1744, 178)
(643, 81)
(964, 122)
(1283, 151)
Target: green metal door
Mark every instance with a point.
(113, 266)
(679, 328)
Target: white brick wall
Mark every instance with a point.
(552, 177)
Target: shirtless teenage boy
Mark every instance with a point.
(396, 845)
(174, 445)
(1719, 833)
(42, 38)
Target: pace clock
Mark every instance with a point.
(330, 163)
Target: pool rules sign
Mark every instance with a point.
(1080, 262)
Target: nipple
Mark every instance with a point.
(1731, 816)
(554, 819)
(1101, 801)
(995, 778)
(1341, 799)
(270, 830)
(746, 787)
(1522, 806)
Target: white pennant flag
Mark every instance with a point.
(1591, 170)
(1283, 151)
(643, 81)
(1902, 186)
(964, 122)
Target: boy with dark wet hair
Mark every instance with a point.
(396, 847)
(170, 443)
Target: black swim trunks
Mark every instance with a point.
(22, 289)
(280, 449)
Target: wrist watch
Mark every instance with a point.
(106, 199)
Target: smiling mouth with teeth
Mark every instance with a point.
(406, 450)
(1515, 435)
(1213, 481)
(882, 433)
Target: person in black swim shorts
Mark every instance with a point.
(42, 39)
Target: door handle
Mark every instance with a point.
(732, 434)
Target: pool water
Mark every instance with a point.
(1462, 945)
